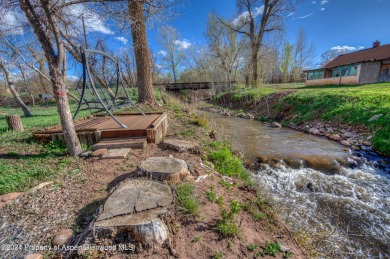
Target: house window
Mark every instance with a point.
(336, 72)
(353, 70)
(316, 74)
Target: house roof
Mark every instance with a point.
(372, 54)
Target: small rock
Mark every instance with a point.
(63, 237)
(356, 148)
(335, 137)
(369, 137)
(375, 117)
(99, 152)
(33, 256)
(170, 156)
(283, 247)
(120, 153)
(276, 124)
(86, 153)
(345, 143)
(348, 134)
(367, 143)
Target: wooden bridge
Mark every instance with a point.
(193, 85)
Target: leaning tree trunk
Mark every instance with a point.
(15, 93)
(141, 51)
(60, 94)
(14, 123)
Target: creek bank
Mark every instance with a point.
(355, 138)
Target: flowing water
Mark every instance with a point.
(339, 197)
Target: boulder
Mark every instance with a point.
(181, 145)
(63, 237)
(335, 137)
(345, 143)
(276, 125)
(164, 169)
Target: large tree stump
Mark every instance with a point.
(14, 123)
(134, 210)
(164, 169)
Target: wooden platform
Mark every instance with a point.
(152, 126)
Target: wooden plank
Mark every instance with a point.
(123, 134)
(158, 120)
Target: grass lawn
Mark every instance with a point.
(353, 105)
(23, 161)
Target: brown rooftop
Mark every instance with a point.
(372, 54)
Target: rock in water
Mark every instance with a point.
(164, 169)
(276, 124)
(134, 209)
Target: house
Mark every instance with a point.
(361, 67)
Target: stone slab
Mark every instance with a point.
(181, 145)
(136, 143)
(116, 153)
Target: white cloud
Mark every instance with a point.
(162, 53)
(93, 21)
(72, 78)
(324, 2)
(11, 23)
(183, 44)
(346, 48)
(244, 17)
(322, 9)
(288, 15)
(122, 39)
(305, 16)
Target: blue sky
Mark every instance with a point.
(328, 23)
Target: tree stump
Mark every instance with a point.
(14, 123)
(134, 210)
(164, 169)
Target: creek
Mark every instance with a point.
(320, 188)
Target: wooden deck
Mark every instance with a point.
(152, 126)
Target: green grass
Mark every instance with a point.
(188, 203)
(271, 249)
(225, 162)
(353, 105)
(227, 225)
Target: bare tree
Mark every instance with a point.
(43, 18)
(257, 18)
(226, 46)
(11, 87)
(304, 54)
(141, 51)
(331, 54)
(174, 53)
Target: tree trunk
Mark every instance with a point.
(62, 101)
(14, 123)
(15, 93)
(141, 51)
(255, 52)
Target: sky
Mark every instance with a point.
(340, 24)
(351, 24)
